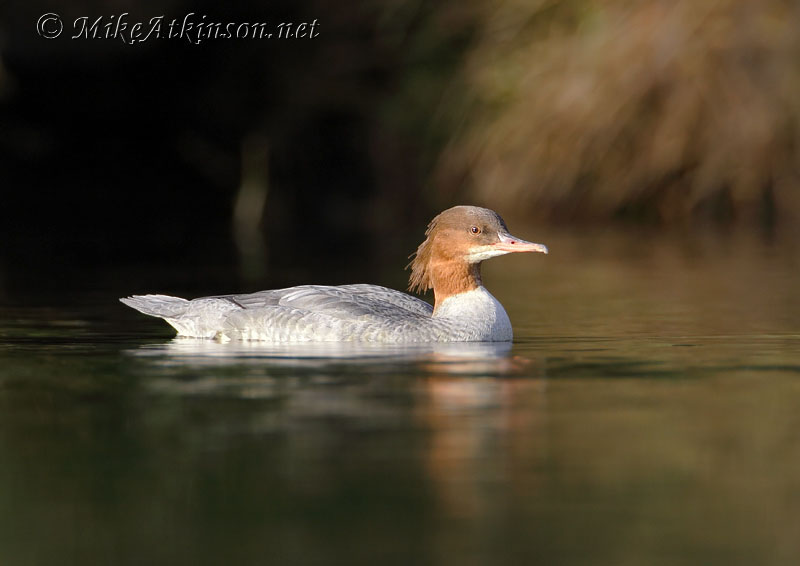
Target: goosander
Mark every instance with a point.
(448, 261)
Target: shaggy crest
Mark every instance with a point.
(420, 279)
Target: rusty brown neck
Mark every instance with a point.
(451, 278)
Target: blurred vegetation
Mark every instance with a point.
(668, 111)
(243, 156)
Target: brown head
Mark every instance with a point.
(456, 243)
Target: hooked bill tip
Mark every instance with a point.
(510, 244)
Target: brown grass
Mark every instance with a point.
(671, 111)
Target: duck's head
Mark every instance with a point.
(457, 241)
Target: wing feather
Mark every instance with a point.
(346, 301)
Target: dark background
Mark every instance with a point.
(116, 158)
(121, 165)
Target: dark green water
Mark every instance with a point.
(648, 412)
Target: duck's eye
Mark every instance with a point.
(475, 230)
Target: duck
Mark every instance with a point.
(448, 261)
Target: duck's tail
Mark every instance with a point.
(162, 306)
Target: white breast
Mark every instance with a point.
(478, 313)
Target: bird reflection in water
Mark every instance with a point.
(458, 358)
(477, 412)
(482, 430)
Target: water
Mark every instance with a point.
(648, 412)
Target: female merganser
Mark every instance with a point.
(449, 261)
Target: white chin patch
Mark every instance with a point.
(482, 253)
